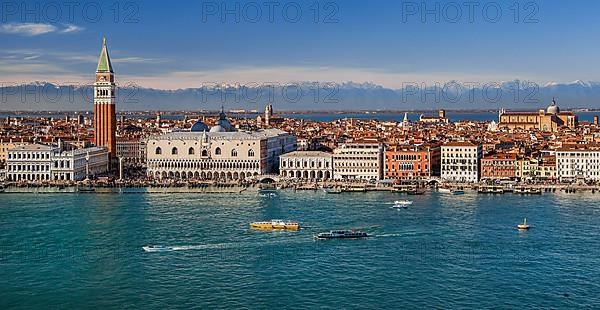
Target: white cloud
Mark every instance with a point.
(31, 57)
(137, 60)
(27, 29)
(36, 29)
(70, 28)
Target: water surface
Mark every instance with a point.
(85, 250)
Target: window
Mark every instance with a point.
(191, 151)
(234, 153)
(218, 151)
(158, 151)
(250, 153)
(174, 151)
(204, 153)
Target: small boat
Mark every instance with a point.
(535, 191)
(523, 226)
(268, 195)
(333, 191)
(453, 191)
(444, 190)
(275, 224)
(86, 189)
(157, 248)
(342, 234)
(401, 204)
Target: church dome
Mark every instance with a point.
(225, 124)
(553, 108)
(217, 128)
(199, 126)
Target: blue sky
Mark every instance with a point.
(188, 43)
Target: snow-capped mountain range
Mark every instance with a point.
(307, 95)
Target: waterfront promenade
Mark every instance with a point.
(410, 187)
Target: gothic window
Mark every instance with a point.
(218, 151)
(204, 153)
(250, 153)
(158, 151)
(174, 151)
(234, 153)
(191, 151)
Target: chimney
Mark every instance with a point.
(596, 120)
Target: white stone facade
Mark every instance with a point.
(306, 165)
(37, 162)
(361, 160)
(217, 155)
(460, 162)
(578, 163)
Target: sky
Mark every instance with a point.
(182, 44)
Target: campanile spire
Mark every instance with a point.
(105, 119)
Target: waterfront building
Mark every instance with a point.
(39, 162)
(573, 162)
(412, 162)
(221, 153)
(131, 151)
(312, 165)
(362, 160)
(499, 166)
(105, 119)
(5, 146)
(524, 168)
(551, 119)
(546, 170)
(460, 161)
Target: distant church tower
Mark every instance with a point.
(268, 114)
(105, 119)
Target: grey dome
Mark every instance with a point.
(553, 108)
(199, 126)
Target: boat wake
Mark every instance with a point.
(387, 235)
(215, 246)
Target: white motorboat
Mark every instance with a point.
(445, 190)
(157, 248)
(401, 204)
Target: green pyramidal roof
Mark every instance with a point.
(104, 64)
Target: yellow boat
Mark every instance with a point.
(275, 224)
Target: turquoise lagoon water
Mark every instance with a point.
(85, 250)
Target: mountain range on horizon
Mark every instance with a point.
(453, 95)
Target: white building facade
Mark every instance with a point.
(38, 162)
(578, 162)
(216, 154)
(358, 160)
(312, 165)
(461, 162)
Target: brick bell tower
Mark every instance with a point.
(105, 119)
